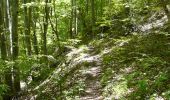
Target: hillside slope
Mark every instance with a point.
(126, 68)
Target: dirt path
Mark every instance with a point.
(88, 68)
(93, 87)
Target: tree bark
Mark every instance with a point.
(3, 24)
(34, 24)
(15, 48)
(93, 19)
(27, 22)
(45, 28)
(71, 20)
(75, 18)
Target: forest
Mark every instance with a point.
(84, 49)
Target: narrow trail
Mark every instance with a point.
(93, 87)
(83, 65)
(91, 74)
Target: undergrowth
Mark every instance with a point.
(143, 62)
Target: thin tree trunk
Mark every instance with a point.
(93, 19)
(75, 17)
(3, 25)
(54, 29)
(101, 8)
(87, 6)
(15, 48)
(34, 24)
(71, 20)
(27, 18)
(45, 28)
(3, 44)
(9, 29)
(35, 41)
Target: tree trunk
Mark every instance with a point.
(35, 41)
(45, 28)
(71, 20)
(27, 21)
(15, 48)
(75, 18)
(8, 28)
(93, 19)
(55, 27)
(34, 24)
(8, 75)
(87, 7)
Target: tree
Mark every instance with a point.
(15, 48)
(73, 19)
(27, 22)
(3, 46)
(93, 19)
(34, 24)
(45, 27)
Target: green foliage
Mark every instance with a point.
(33, 67)
(150, 62)
(76, 89)
(3, 90)
(107, 76)
(147, 55)
(25, 64)
(2, 67)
